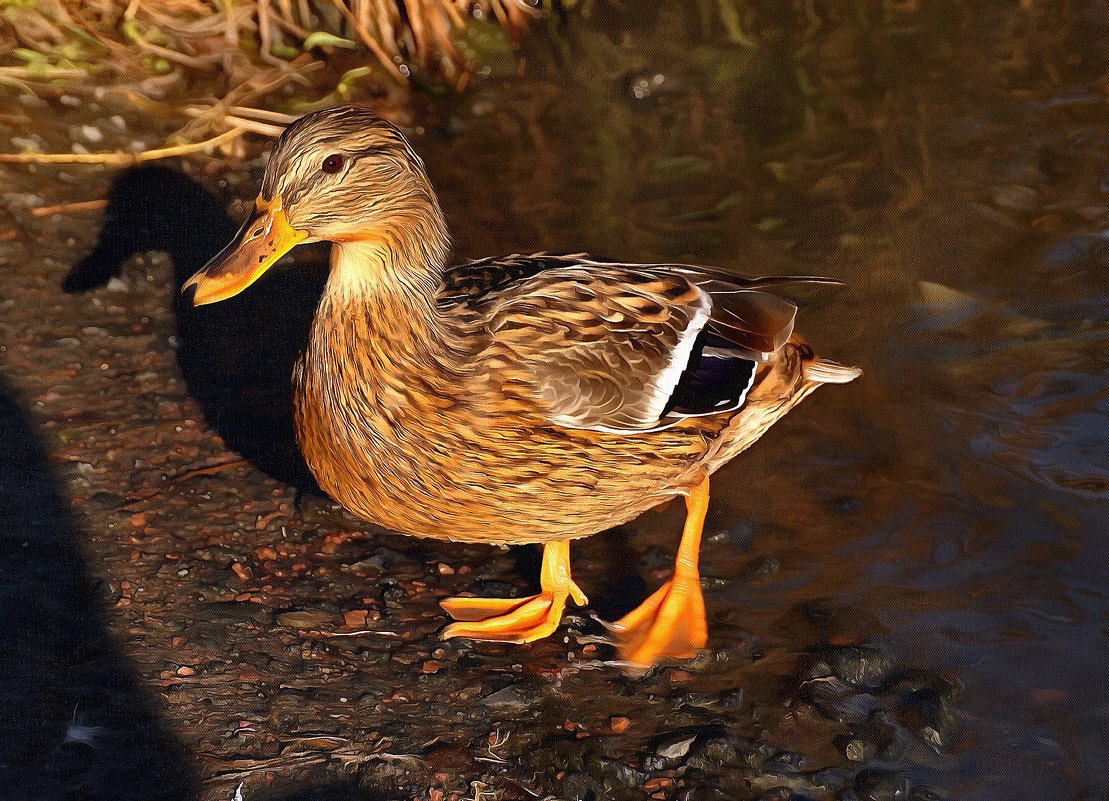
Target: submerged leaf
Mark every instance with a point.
(325, 39)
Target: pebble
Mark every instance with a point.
(355, 618)
(675, 746)
(303, 619)
(618, 724)
(508, 697)
(863, 666)
(880, 785)
(763, 568)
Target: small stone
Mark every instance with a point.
(431, 666)
(508, 697)
(855, 750)
(185, 670)
(675, 747)
(880, 785)
(618, 724)
(677, 675)
(862, 666)
(302, 619)
(241, 571)
(445, 569)
(355, 618)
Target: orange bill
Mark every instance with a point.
(265, 238)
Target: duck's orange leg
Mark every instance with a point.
(671, 623)
(519, 619)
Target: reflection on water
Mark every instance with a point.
(949, 163)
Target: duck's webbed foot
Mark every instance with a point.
(519, 620)
(671, 622)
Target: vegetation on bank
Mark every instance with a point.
(213, 67)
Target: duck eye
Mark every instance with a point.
(332, 163)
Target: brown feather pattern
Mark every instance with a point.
(509, 400)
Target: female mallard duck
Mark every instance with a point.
(510, 400)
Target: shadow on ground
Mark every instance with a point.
(75, 724)
(236, 356)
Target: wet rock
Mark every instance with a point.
(104, 501)
(393, 596)
(738, 537)
(674, 747)
(928, 708)
(730, 700)
(881, 785)
(622, 774)
(924, 792)
(763, 568)
(838, 700)
(727, 752)
(236, 612)
(108, 591)
(862, 666)
(785, 762)
(855, 749)
(366, 567)
(303, 619)
(578, 787)
(512, 697)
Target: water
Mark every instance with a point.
(950, 165)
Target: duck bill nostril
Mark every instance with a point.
(263, 239)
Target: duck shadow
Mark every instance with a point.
(75, 722)
(235, 356)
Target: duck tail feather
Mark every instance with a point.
(822, 371)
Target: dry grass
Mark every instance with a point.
(210, 66)
(74, 39)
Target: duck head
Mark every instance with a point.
(342, 175)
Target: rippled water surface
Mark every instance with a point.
(950, 164)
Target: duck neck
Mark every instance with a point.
(378, 276)
(380, 303)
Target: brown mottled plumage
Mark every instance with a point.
(513, 400)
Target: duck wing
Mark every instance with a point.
(632, 348)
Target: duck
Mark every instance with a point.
(511, 400)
